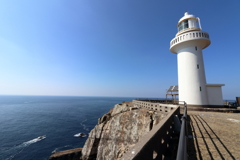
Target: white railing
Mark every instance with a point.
(189, 36)
(157, 106)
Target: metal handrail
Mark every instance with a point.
(182, 145)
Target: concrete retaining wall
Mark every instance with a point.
(156, 142)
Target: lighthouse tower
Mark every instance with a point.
(188, 45)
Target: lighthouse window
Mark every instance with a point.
(200, 88)
(183, 25)
(196, 48)
(197, 66)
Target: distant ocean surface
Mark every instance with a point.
(24, 118)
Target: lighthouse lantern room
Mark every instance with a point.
(188, 45)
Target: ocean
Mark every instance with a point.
(24, 118)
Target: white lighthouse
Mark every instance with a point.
(188, 45)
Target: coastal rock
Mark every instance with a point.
(119, 130)
(120, 108)
(105, 117)
(72, 154)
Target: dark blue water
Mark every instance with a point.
(24, 118)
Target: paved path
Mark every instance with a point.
(215, 135)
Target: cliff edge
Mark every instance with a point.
(116, 132)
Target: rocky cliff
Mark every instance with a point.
(116, 132)
(72, 154)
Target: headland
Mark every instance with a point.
(134, 128)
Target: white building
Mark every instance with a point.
(188, 45)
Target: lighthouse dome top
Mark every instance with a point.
(188, 23)
(189, 30)
(187, 16)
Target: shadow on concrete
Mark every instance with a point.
(209, 138)
(192, 153)
(202, 121)
(171, 153)
(202, 136)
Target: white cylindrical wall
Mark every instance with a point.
(191, 75)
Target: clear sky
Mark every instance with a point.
(110, 47)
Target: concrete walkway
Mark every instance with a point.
(215, 135)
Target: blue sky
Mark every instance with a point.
(110, 47)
